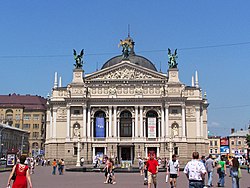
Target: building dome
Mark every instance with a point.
(136, 59)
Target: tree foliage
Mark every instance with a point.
(248, 140)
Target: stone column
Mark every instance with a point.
(202, 126)
(158, 152)
(88, 123)
(110, 121)
(133, 128)
(136, 121)
(115, 122)
(118, 129)
(159, 128)
(84, 128)
(166, 120)
(183, 116)
(146, 152)
(198, 130)
(93, 154)
(68, 123)
(144, 128)
(107, 128)
(51, 125)
(105, 150)
(54, 123)
(162, 123)
(141, 121)
(92, 128)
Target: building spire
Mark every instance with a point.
(192, 81)
(55, 81)
(128, 30)
(196, 79)
(60, 81)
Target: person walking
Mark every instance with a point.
(152, 166)
(62, 166)
(140, 164)
(195, 171)
(22, 174)
(54, 165)
(221, 170)
(209, 164)
(174, 171)
(235, 173)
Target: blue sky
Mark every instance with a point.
(212, 37)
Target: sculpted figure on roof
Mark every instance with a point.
(172, 59)
(78, 59)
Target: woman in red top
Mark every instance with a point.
(22, 175)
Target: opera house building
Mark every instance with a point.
(126, 110)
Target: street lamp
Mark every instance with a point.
(22, 143)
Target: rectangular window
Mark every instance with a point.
(75, 150)
(17, 125)
(35, 117)
(26, 126)
(35, 134)
(18, 117)
(215, 143)
(35, 126)
(174, 111)
(26, 117)
(211, 143)
(239, 142)
(76, 112)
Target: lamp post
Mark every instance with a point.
(22, 143)
(78, 147)
(1, 140)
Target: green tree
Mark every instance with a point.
(248, 140)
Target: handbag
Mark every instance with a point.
(166, 178)
(14, 176)
(239, 173)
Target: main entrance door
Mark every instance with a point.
(126, 153)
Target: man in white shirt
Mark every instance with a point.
(195, 171)
(173, 170)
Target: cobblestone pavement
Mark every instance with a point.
(43, 179)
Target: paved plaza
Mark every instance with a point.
(43, 179)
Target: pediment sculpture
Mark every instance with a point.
(125, 73)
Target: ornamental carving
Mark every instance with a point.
(190, 112)
(62, 113)
(125, 73)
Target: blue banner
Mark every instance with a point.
(224, 149)
(99, 127)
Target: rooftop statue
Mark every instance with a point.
(78, 59)
(172, 59)
(126, 47)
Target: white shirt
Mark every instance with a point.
(194, 169)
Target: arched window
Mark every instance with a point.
(35, 145)
(100, 124)
(126, 124)
(152, 124)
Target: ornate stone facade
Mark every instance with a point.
(140, 110)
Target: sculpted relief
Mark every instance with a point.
(125, 73)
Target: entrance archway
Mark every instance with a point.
(125, 124)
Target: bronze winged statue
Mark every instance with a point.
(172, 59)
(78, 59)
(126, 47)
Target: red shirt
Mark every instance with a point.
(152, 165)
